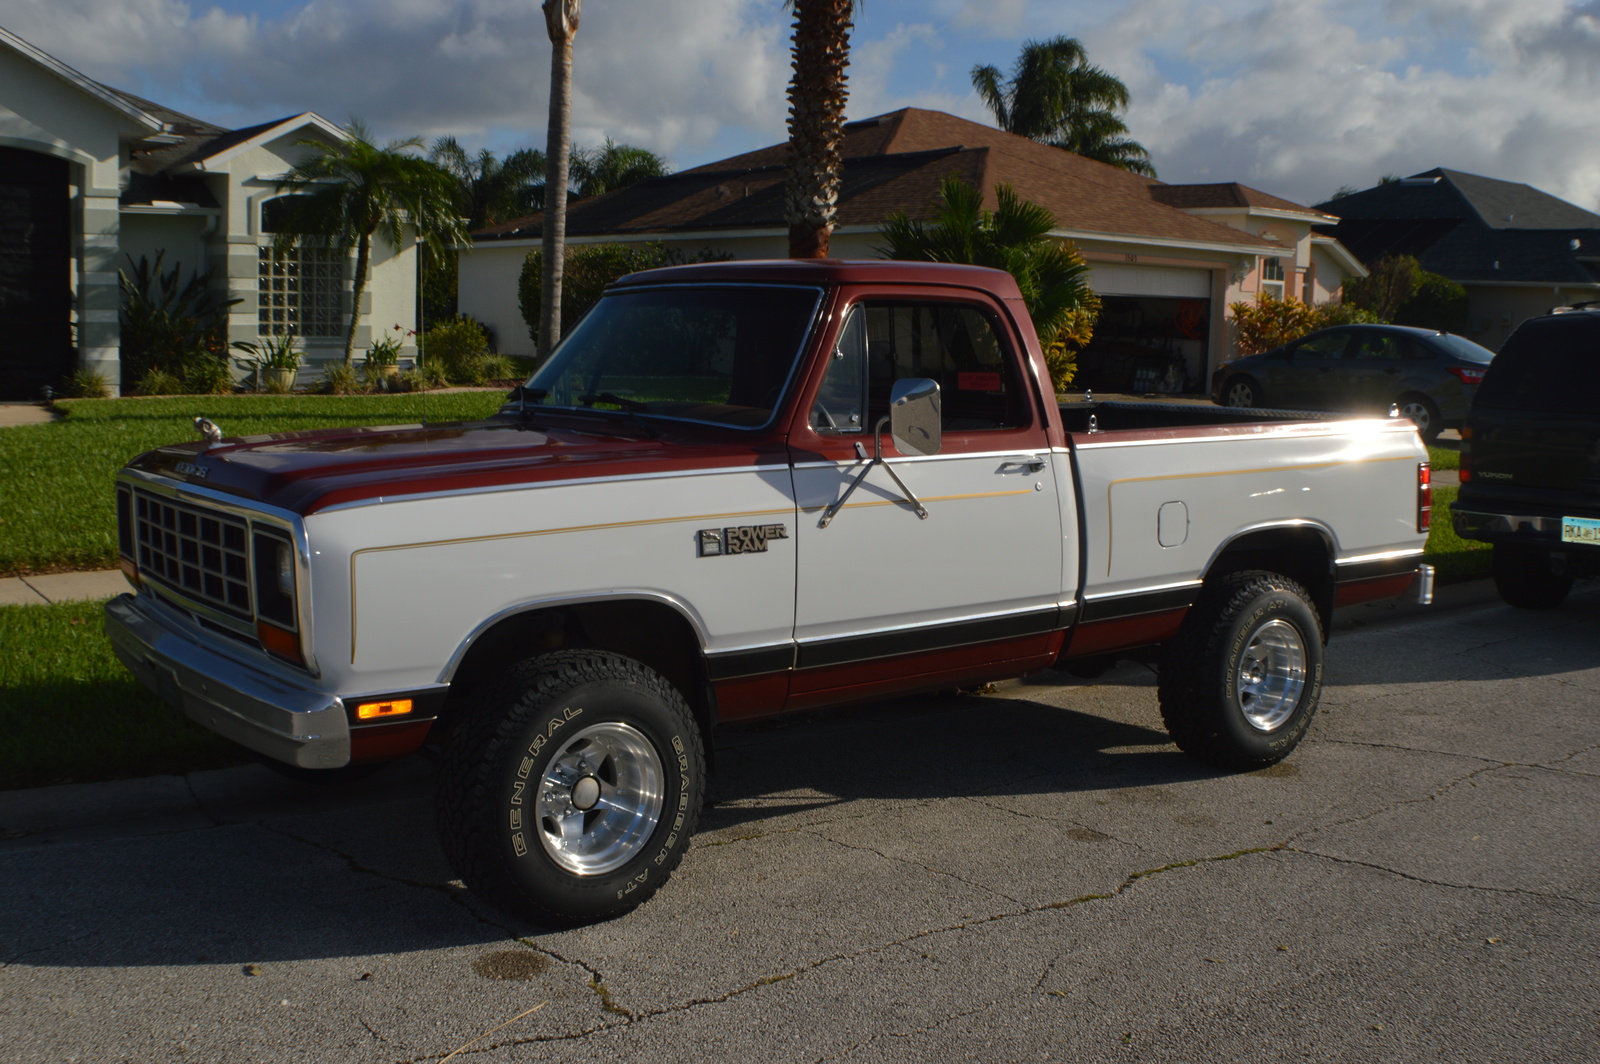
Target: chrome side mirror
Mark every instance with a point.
(915, 411)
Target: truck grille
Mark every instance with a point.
(198, 552)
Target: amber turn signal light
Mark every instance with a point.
(372, 710)
(279, 641)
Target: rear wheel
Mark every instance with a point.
(1525, 579)
(570, 792)
(1241, 392)
(1423, 413)
(1240, 682)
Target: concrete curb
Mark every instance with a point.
(160, 804)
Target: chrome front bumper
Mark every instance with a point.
(284, 721)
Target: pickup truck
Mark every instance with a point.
(737, 490)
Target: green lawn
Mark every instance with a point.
(1444, 458)
(1456, 559)
(71, 713)
(56, 503)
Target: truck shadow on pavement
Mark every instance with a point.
(356, 871)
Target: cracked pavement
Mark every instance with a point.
(1030, 874)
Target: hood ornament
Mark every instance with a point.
(208, 430)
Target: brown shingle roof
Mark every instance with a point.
(895, 162)
(1225, 194)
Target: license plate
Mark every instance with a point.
(1580, 530)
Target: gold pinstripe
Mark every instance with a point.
(1110, 539)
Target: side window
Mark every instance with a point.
(955, 344)
(841, 402)
(1323, 348)
(1382, 348)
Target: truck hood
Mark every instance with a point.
(309, 471)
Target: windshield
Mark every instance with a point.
(716, 354)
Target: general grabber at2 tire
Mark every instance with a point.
(570, 792)
(1240, 682)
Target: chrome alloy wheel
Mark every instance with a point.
(1418, 412)
(1272, 675)
(599, 799)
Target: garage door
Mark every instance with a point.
(1114, 279)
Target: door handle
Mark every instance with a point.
(1032, 463)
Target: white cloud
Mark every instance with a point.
(666, 74)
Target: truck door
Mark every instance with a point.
(884, 596)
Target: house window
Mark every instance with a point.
(1272, 277)
(301, 291)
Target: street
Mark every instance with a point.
(1030, 874)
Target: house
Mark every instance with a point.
(1517, 251)
(92, 179)
(1166, 259)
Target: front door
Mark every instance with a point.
(35, 273)
(884, 596)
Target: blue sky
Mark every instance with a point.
(1295, 97)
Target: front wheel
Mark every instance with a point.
(569, 793)
(1240, 682)
(1241, 392)
(1525, 579)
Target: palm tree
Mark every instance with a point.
(561, 22)
(490, 190)
(597, 170)
(1015, 237)
(1056, 97)
(350, 191)
(817, 97)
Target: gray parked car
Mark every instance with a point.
(1431, 376)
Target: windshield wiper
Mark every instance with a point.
(614, 399)
(631, 407)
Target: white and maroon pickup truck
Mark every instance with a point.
(738, 490)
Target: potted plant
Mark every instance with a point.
(275, 360)
(383, 358)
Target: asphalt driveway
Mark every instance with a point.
(1034, 874)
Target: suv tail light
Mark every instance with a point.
(1424, 497)
(1466, 454)
(1465, 375)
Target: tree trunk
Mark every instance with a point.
(561, 20)
(817, 97)
(363, 264)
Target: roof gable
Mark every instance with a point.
(896, 162)
(114, 100)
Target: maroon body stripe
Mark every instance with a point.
(1122, 633)
(1355, 592)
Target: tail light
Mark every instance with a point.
(1465, 375)
(1424, 497)
(1466, 454)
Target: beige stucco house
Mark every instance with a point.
(91, 176)
(1167, 259)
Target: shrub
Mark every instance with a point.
(84, 384)
(169, 324)
(1438, 303)
(340, 379)
(158, 382)
(455, 346)
(588, 269)
(1270, 321)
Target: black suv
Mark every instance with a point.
(1530, 459)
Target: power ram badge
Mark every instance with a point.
(744, 539)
